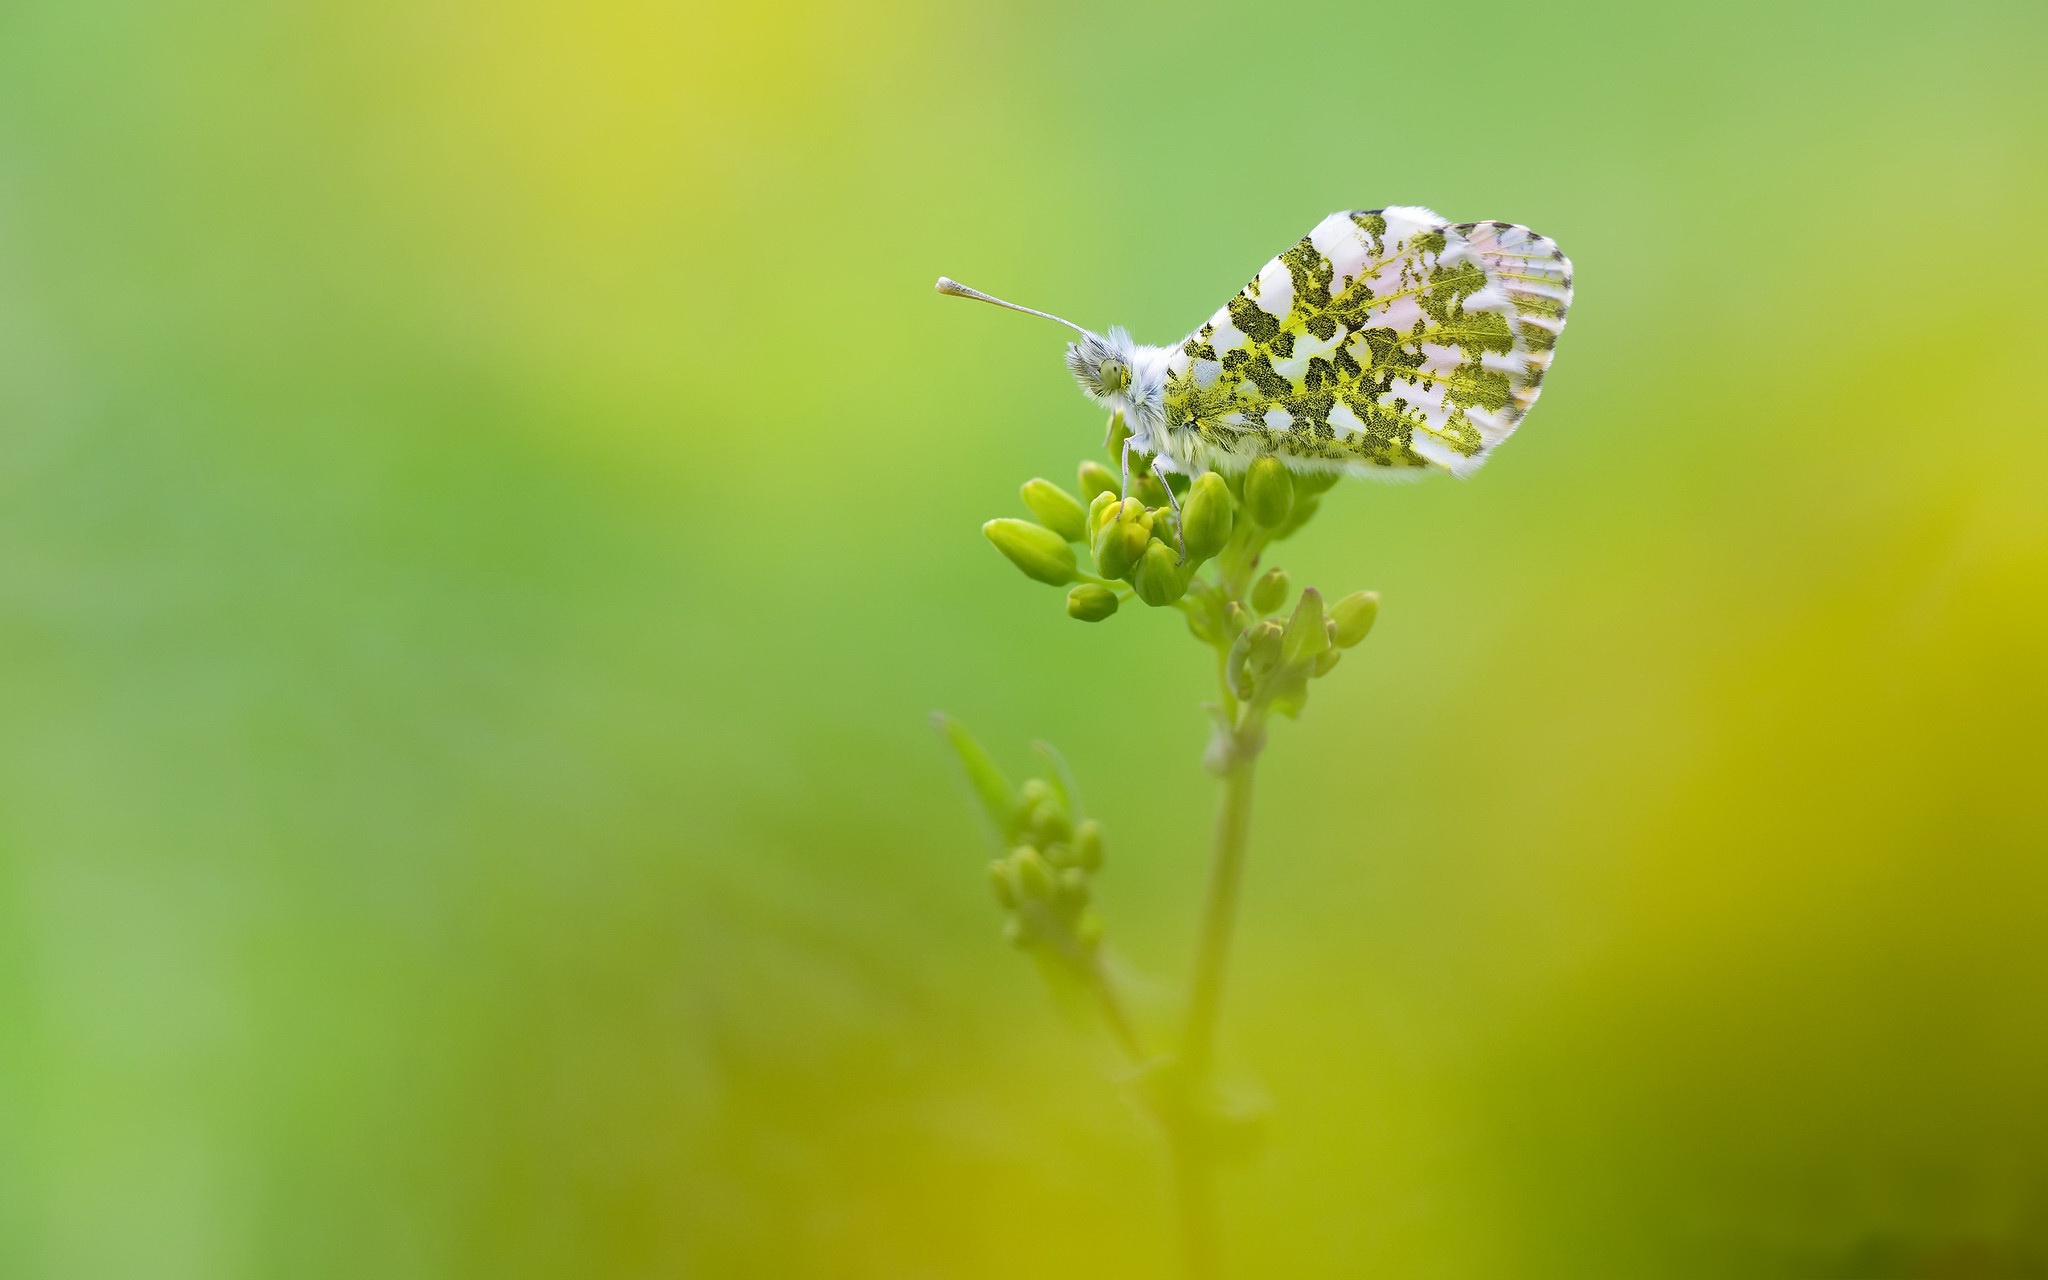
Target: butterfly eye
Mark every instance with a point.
(1116, 377)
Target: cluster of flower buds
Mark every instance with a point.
(1149, 544)
(1273, 661)
(1050, 852)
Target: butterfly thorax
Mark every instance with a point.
(1130, 379)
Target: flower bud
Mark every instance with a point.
(1304, 511)
(1235, 620)
(1159, 579)
(1262, 650)
(1132, 511)
(1205, 517)
(1087, 845)
(999, 880)
(1118, 547)
(1050, 823)
(1234, 673)
(1101, 511)
(1289, 691)
(1268, 492)
(1354, 616)
(1034, 878)
(1056, 509)
(1324, 661)
(1305, 634)
(1151, 489)
(1091, 602)
(1037, 550)
(1270, 591)
(1071, 887)
(1114, 441)
(1097, 479)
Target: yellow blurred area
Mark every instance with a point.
(488, 498)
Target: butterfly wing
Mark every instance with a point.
(1385, 342)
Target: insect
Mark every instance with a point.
(1386, 343)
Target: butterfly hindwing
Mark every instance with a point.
(1384, 342)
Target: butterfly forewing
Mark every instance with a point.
(1383, 342)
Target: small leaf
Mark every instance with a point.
(1062, 779)
(998, 798)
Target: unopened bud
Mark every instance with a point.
(1235, 620)
(1091, 602)
(1268, 492)
(1097, 479)
(1205, 517)
(1037, 550)
(1114, 441)
(1049, 822)
(1270, 591)
(1152, 490)
(1234, 673)
(1324, 661)
(1000, 882)
(1159, 579)
(1071, 888)
(1101, 511)
(1034, 878)
(1354, 616)
(1262, 651)
(1056, 509)
(1118, 547)
(1305, 634)
(1087, 845)
(1304, 511)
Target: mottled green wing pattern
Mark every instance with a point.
(1386, 342)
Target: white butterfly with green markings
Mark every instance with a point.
(1384, 343)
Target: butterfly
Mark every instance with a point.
(1386, 343)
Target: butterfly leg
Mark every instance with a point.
(1178, 540)
(1127, 469)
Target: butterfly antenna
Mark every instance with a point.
(959, 290)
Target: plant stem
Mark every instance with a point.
(1194, 1184)
(1219, 913)
(1194, 1172)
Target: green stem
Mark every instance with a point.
(1219, 913)
(1194, 1170)
(1194, 1185)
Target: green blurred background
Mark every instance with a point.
(488, 498)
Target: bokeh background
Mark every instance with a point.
(488, 499)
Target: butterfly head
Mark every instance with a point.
(1102, 365)
(1121, 376)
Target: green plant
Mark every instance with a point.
(1196, 548)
